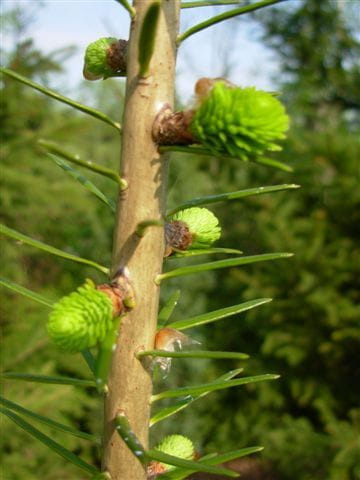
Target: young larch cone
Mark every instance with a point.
(80, 320)
(83, 318)
(104, 58)
(176, 445)
(193, 228)
(241, 122)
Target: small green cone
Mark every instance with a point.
(178, 446)
(241, 122)
(104, 58)
(201, 229)
(81, 319)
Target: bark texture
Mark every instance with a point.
(130, 385)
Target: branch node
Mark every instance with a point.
(172, 128)
(121, 292)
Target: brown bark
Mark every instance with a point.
(130, 385)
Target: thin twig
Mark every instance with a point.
(224, 16)
(20, 237)
(95, 167)
(214, 3)
(205, 151)
(50, 93)
(127, 7)
(125, 431)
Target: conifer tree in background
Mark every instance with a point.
(312, 335)
(323, 81)
(40, 199)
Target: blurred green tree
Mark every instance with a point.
(311, 333)
(38, 198)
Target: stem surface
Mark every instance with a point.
(129, 383)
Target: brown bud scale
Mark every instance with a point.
(167, 338)
(116, 56)
(116, 298)
(204, 86)
(173, 128)
(177, 236)
(121, 294)
(154, 469)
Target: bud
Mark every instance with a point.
(176, 445)
(192, 228)
(104, 58)
(169, 339)
(204, 86)
(241, 122)
(81, 319)
(121, 293)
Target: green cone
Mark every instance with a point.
(178, 446)
(202, 224)
(81, 319)
(104, 58)
(241, 122)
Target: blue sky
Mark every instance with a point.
(78, 22)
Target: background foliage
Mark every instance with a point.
(309, 421)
